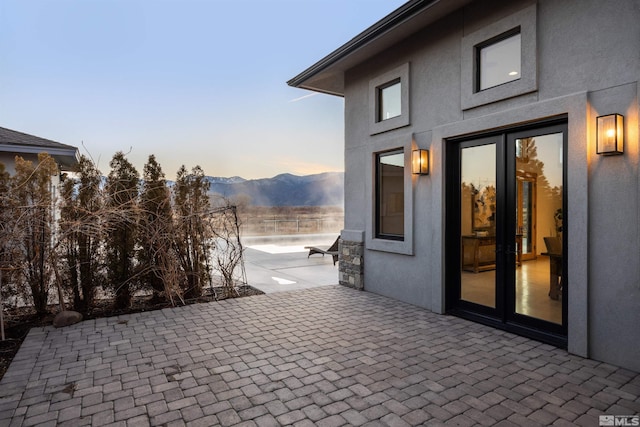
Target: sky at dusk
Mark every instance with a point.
(195, 82)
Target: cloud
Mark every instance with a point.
(303, 97)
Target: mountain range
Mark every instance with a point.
(323, 189)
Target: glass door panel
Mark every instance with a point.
(526, 216)
(478, 224)
(539, 201)
(506, 265)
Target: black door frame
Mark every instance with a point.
(503, 316)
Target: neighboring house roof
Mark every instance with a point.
(12, 141)
(327, 75)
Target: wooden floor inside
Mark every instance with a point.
(532, 290)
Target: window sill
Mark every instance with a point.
(387, 245)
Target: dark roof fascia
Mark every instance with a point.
(395, 18)
(327, 75)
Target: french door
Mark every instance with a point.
(505, 230)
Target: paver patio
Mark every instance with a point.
(327, 356)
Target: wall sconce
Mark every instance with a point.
(420, 162)
(610, 134)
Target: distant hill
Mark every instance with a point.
(324, 189)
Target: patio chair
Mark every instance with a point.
(333, 251)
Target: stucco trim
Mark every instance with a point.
(352, 235)
(528, 82)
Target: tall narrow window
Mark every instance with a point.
(389, 100)
(390, 195)
(499, 60)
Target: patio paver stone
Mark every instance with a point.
(325, 356)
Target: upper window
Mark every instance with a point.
(389, 100)
(390, 195)
(499, 60)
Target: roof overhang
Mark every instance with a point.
(66, 158)
(327, 75)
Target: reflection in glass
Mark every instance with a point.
(390, 191)
(390, 101)
(478, 224)
(539, 220)
(499, 62)
(525, 215)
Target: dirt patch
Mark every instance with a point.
(19, 321)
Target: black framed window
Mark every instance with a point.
(390, 195)
(499, 60)
(390, 100)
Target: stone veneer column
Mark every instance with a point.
(351, 259)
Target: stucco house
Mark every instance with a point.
(491, 165)
(14, 143)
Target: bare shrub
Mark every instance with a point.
(227, 248)
(113, 237)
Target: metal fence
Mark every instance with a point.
(294, 225)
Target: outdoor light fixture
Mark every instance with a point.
(610, 134)
(420, 162)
